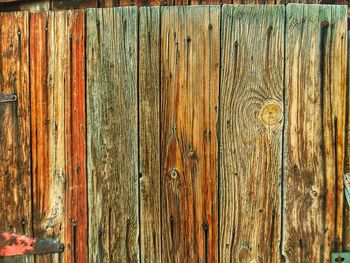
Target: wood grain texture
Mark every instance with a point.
(149, 133)
(15, 167)
(58, 132)
(190, 57)
(112, 134)
(50, 175)
(40, 123)
(346, 218)
(76, 184)
(314, 135)
(251, 109)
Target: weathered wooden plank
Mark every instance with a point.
(314, 133)
(58, 131)
(40, 129)
(112, 137)
(76, 183)
(251, 109)
(346, 226)
(50, 69)
(190, 56)
(149, 133)
(15, 167)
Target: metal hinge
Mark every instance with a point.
(340, 257)
(4, 97)
(12, 244)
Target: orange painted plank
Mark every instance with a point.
(40, 118)
(76, 219)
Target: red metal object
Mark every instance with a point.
(12, 244)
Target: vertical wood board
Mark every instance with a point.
(40, 123)
(346, 226)
(49, 213)
(58, 131)
(314, 134)
(112, 136)
(15, 167)
(149, 133)
(190, 57)
(251, 118)
(76, 184)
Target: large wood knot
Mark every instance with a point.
(271, 113)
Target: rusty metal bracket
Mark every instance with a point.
(12, 244)
(5, 97)
(340, 257)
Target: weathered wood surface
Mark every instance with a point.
(153, 128)
(50, 175)
(41, 102)
(346, 226)
(76, 183)
(149, 133)
(58, 131)
(112, 135)
(251, 109)
(314, 135)
(15, 167)
(190, 57)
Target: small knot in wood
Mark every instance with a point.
(174, 174)
(314, 193)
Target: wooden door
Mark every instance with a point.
(174, 134)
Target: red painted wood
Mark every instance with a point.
(12, 244)
(76, 236)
